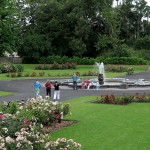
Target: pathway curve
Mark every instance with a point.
(24, 89)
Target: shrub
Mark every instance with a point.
(9, 126)
(41, 74)
(142, 43)
(28, 139)
(13, 75)
(20, 68)
(7, 67)
(18, 132)
(130, 71)
(33, 74)
(90, 73)
(27, 74)
(44, 111)
(10, 107)
(111, 99)
(56, 66)
(123, 60)
(19, 74)
(114, 68)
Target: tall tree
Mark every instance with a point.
(8, 29)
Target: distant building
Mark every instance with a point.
(14, 54)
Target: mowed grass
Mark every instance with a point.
(108, 127)
(5, 93)
(30, 68)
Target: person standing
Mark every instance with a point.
(48, 88)
(97, 85)
(37, 86)
(56, 91)
(75, 79)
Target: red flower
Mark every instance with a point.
(25, 120)
(1, 116)
(58, 116)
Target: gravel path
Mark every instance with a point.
(24, 89)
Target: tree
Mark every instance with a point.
(8, 29)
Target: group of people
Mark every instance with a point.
(85, 84)
(48, 86)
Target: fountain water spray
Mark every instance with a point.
(101, 74)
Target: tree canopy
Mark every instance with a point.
(90, 28)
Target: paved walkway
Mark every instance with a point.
(24, 89)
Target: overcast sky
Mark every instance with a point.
(148, 1)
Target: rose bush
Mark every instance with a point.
(21, 130)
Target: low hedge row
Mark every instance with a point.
(91, 61)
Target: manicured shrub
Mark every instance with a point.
(27, 74)
(114, 68)
(55, 66)
(10, 68)
(33, 74)
(123, 60)
(111, 99)
(13, 75)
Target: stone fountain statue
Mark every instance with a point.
(101, 73)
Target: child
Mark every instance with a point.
(97, 85)
(83, 85)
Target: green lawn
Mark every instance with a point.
(108, 127)
(5, 93)
(29, 68)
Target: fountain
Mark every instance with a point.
(122, 83)
(101, 74)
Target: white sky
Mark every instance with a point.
(148, 2)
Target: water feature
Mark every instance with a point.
(107, 82)
(101, 68)
(101, 73)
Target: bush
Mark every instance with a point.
(20, 68)
(114, 68)
(122, 60)
(55, 66)
(10, 68)
(10, 107)
(24, 129)
(44, 111)
(142, 43)
(111, 99)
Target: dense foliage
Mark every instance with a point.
(81, 28)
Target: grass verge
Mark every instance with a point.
(5, 93)
(108, 127)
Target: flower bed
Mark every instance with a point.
(121, 100)
(56, 66)
(25, 127)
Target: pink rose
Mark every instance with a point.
(1, 116)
